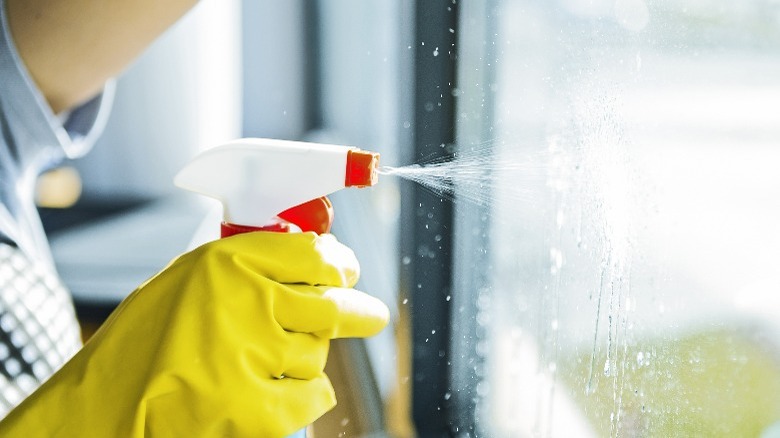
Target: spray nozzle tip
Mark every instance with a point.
(361, 168)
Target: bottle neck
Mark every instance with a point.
(227, 229)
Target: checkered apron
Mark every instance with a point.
(38, 327)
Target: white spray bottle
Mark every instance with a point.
(277, 185)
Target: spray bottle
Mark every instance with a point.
(277, 185)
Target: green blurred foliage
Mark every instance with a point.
(707, 384)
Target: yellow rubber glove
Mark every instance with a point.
(229, 340)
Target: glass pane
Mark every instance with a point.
(635, 240)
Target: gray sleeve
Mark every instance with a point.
(29, 125)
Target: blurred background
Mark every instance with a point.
(613, 271)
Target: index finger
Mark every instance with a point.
(330, 312)
(305, 258)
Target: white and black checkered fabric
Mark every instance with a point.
(38, 327)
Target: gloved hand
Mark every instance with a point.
(229, 340)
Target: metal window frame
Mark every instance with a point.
(446, 293)
(426, 281)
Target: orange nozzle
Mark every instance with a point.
(361, 168)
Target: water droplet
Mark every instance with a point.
(406, 300)
(447, 395)
(436, 52)
(556, 260)
(448, 297)
(406, 260)
(433, 332)
(482, 389)
(607, 370)
(452, 30)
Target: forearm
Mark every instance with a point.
(71, 47)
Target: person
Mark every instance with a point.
(230, 339)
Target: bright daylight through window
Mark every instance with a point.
(630, 174)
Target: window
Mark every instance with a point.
(628, 284)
